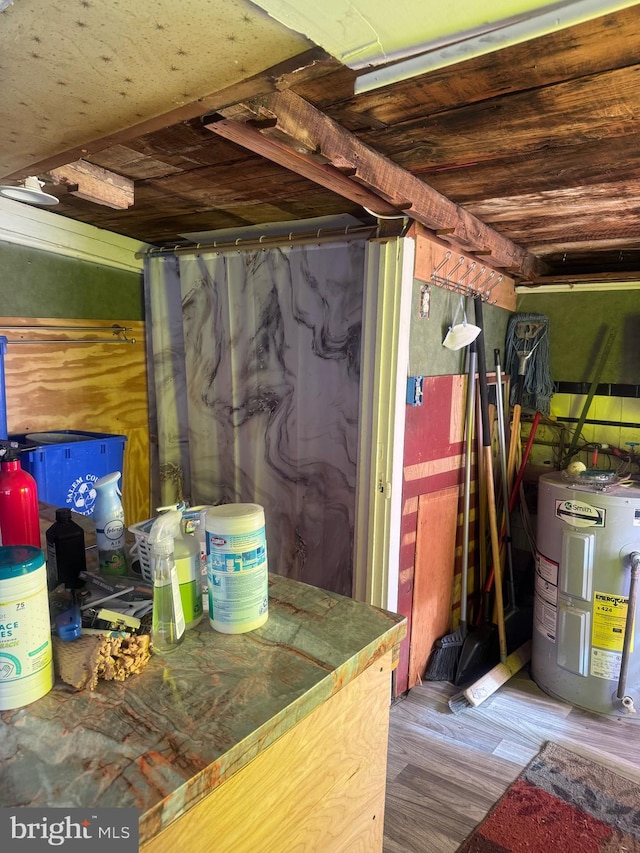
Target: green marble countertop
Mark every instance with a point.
(161, 740)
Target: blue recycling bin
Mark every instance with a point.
(65, 464)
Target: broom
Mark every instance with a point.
(443, 661)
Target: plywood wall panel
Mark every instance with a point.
(433, 577)
(94, 387)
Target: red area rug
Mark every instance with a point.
(562, 803)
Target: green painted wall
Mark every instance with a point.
(579, 325)
(34, 283)
(427, 356)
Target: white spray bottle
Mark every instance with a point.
(108, 517)
(167, 627)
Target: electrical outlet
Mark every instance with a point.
(425, 302)
(414, 390)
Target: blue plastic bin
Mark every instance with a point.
(65, 464)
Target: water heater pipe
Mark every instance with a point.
(621, 695)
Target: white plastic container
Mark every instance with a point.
(237, 569)
(26, 661)
(195, 521)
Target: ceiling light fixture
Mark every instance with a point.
(29, 191)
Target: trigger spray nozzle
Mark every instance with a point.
(163, 531)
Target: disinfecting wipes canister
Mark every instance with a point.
(26, 666)
(237, 571)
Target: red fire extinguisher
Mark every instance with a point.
(19, 516)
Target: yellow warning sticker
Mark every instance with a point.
(609, 621)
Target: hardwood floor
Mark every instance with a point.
(445, 771)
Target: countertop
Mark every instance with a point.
(163, 739)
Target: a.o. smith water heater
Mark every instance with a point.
(586, 644)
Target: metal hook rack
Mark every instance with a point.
(119, 333)
(480, 286)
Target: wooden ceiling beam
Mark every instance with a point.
(309, 129)
(320, 173)
(92, 183)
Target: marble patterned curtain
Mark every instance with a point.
(256, 372)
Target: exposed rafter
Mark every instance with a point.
(92, 183)
(313, 136)
(326, 175)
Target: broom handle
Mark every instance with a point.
(514, 438)
(604, 355)
(491, 497)
(515, 489)
(513, 441)
(506, 522)
(525, 458)
(481, 492)
(469, 418)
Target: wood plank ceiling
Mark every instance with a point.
(535, 148)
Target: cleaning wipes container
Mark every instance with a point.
(26, 661)
(237, 570)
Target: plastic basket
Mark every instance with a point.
(141, 549)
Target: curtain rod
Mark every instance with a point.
(116, 328)
(322, 235)
(119, 332)
(72, 341)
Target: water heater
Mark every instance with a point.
(586, 643)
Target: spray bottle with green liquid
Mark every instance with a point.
(167, 626)
(186, 553)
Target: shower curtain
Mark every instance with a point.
(255, 363)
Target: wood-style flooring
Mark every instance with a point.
(446, 770)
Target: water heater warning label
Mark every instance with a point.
(546, 594)
(605, 664)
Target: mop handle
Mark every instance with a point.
(491, 497)
(469, 419)
(514, 492)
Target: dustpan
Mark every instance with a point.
(460, 334)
